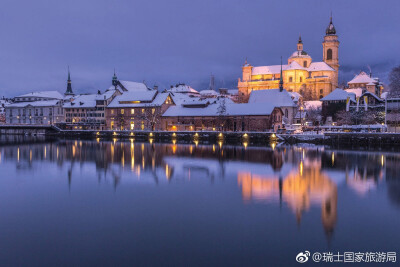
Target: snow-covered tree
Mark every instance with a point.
(221, 111)
(394, 81)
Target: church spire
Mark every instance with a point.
(69, 84)
(330, 30)
(281, 79)
(115, 80)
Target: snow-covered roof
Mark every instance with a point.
(313, 104)
(130, 86)
(362, 77)
(319, 66)
(233, 91)
(44, 94)
(46, 103)
(208, 92)
(130, 100)
(182, 88)
(373, 95)
(302, 54)
(357, 91)
(275, 69)
(88, 100)
(82, 101)
(294, 66)
(295, 96)
(245, 109)
(272, 96)
(180, 98)
(384, 95)
(339, 94)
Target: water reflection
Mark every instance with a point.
(297, 178)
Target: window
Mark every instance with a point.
(321, 91)
(122, 111)
(153, 111)
(290, 79)
(132, 111)
(132, 125)
(305, 64)
(286, 113)
(142, 110)
(112, 111)
(301, 79)
(329, 54)
(142, 124)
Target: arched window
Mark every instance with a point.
(286, 113)
(329, 54)
(290, 79)
(305, 64)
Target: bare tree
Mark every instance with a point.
(394, 81)
(152, 115)
(344, 118)
(314, 115)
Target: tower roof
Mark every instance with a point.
(69, 85)
(330, 30)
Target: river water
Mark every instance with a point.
(121, 202)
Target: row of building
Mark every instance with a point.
(128, 105)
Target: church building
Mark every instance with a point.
(313, 80)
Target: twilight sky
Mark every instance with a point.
(166, 42)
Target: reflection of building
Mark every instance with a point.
(300, 189)
(313, 80)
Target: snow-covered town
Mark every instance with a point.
(199, 133)
(302, 96)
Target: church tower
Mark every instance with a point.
(331, 51)
(69, 85)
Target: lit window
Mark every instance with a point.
(153, 110)
(132, 111)
(122, 111)
(112, 111)
(142, 110)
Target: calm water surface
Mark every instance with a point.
(113, 203)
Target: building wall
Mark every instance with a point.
(35, 115)
(137, 118)
(228, 123)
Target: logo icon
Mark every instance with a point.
(303, 257)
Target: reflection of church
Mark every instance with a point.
(300, 189)
(301, 74)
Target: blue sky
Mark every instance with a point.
(166, 42)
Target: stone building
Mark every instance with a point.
(87, 112)
(366, 82)
(280, 98)
(222, 117)
(140, 110)
(313, 80)
(35, 112)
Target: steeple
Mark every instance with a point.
(281, 79)
(69, 85)
(330, 30)
(115, 80)
(300, 44)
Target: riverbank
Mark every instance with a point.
(327, 138)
